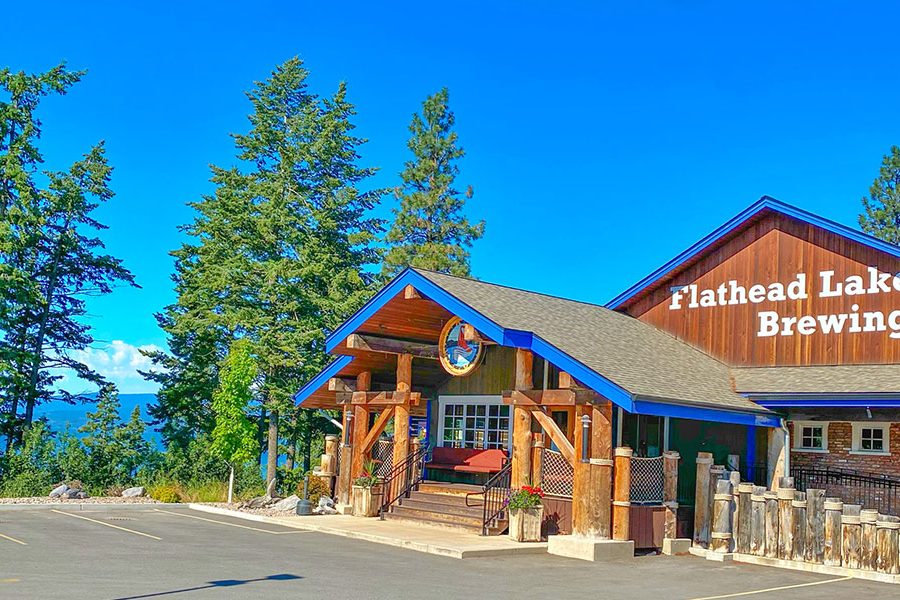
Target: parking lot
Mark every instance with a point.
(175, 552)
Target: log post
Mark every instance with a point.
(581, 474)
(716, 472)
(401, 412)
(521, 450)
(721, 536)
(815, 526)
(772, 533)
(414, 445)
(734, 476)
(345, 479)
(360, 427)
(798, 539)
(670, 492)
(537, 459)
(851, 536)
(622, 494)
(888, 545)
(758, 521)
(785, 523)
(868, 520)
(744, 510)
(601, 469)
(329, 459)
(701, 500)
(833, 509)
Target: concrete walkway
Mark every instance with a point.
(421, 538)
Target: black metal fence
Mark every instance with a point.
(871, 490)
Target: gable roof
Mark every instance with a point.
(764, 204)
(827, 380)
(633, 364)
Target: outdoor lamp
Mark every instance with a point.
(585, 437)
(348, 435)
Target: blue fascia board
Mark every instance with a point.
(698, 413)
(820, 402)
(763, 203)
(324, 375)
(424, 286)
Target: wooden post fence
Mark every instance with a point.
(744, 510)
(798, 536)
(757, 521)
(815, 526)
(785, 520)
(721, 535)
(888, 545)
(701, 500)
(772, 533)
(833, 539)
(851, 536)
(868, 539)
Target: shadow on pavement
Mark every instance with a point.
(216, 584)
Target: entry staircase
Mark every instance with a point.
(455, 506)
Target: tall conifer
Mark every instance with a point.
(881, 216)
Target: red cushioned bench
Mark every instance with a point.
(467, 460)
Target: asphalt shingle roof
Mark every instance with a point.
(832, 379)
(645, 361)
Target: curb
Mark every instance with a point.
(86, 506)
(448, 551)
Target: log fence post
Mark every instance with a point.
(888, 545)
(757, 520)
(785, 522)
(701, 500)
(716, 473)
(621, 514)
(772, 534)
(833, 539)
(868, 520)
(537, 460)
(798, 538)
(850, 536)
(815, 526)
(721, 536)
(744, 517)
(670, 492)
(734, 477)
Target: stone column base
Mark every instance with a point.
(585, 548)
(676, 546)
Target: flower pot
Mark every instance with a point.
(525, 524)
(366, 500)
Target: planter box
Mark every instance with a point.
(366, 501)
(525, 524)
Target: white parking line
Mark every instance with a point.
(12, 539)
(774, 589)
(168, 512)
(153, 537)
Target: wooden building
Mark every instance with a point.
(774, 340)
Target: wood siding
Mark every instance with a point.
(496, 374)
(776, 248)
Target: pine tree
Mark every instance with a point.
(50, 259)
(429, 229)
(115, 450)
(882, 208)
(234, 436)
(280, 250)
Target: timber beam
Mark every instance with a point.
(339, 384)
(569, 397)
(411, 293)
(377, 427)
(379, 398)
(559, 438)
(385, 345)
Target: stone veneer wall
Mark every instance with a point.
(840, 434)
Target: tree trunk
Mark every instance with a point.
(230, 482)
(272, 449)
(291, 449)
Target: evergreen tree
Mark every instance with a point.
(49, 258)
(882, 208)
(429, 229)
(234, 436)
(279, 251)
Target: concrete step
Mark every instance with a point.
(445, 499)
(449, 489)
(423, 503)
(425, 514)
(433, 521)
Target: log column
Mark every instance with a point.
(401, 411)
(622, 494)
(360, 427)
(798, 539)
(521, 442)
(833, 509)
(744, 510)
(537, 459)
(670, 492)
(601, 469)
(758, 521)
(868, 539)
(851, 536)
(772, 533)
(888, 545)
(701, 500)
(721, 536)
(785, 522)
(815, 526)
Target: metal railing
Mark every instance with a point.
(496, 498)
(403, 478)
(757, 474)
(871, 490)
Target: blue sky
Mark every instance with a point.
(602, 138)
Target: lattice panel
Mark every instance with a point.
(556, 474)
(647, 485)
(383, 454)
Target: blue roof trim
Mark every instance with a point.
(319, 380)
(763, 203)
(681, 411)
(861, 401)
(424, 286)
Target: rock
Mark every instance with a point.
(74, 495)
(289, 503)
(259, 502)
(270, 489)
(59, 491)
(325, 507)
(133, 492)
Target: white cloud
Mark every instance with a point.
(119, 363)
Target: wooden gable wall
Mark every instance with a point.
(774, 248)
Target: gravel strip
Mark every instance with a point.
(98, 500)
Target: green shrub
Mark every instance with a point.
(317, 488)
(212, 491)
(164, 492)
(23, 485)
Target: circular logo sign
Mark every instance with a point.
(460, 347)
